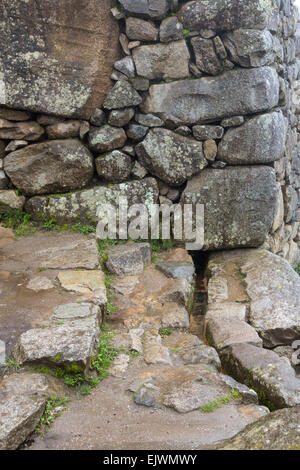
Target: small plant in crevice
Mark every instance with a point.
(10, 363)
(298, 269)
(212, 405)
(22, 224)
(17, 220)
(54, 407)
(163, 332)
(107, 353)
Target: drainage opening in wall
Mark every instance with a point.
(197, 321)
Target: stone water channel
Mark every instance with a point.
(169, 394)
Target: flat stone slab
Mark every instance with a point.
(226, 311)
(178, 269)
(274, 291)
(225, 332)
(55, 251)
(203, 100)
(271, 376)
(72, 343)
(90, 283)
(276, 431)
(187, 388)
(130, 258)
(22, 403)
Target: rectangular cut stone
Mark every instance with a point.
(274, 291)
(239, 205)
(54, 58)
(237, 92)
(226, 15)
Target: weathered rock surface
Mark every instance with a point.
(217, 15)
(205, 56)
(9, 198)
(171, 157)
(208, 132)
(29, 130)
(170, 29)
(122, 95)
(106, 138)
(53, 251)
(148, 120)
(44, 69)
(128, 259)
(88, 282)
(83, 204)
(274, 291)
(114, 167)
(156, 61)
(174, 316)
(271, 376)
(178, 269)
(154, 9)
(259, 140)
(120, 117)
(15, 145)
(14, 115)
(58, 165)
(23, 398)
(140, 30)
(226, 311)
(63, 130)
(179, 291)
(203, 99)
(62, 345)
(250, 48)
(186, 388)
(225, 332)
(126, 66)
(276, 431)
(241, 212)
(154, 351)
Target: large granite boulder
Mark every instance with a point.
(202, 100)
(225, 16)
(171, 157)
(154, 9)
(274, 291)
(240, 204)
(275, 431)
(259, 140)
(82, 205)
(53, 61)
(56, 165)
(163, 61)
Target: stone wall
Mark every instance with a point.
(204, 108)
